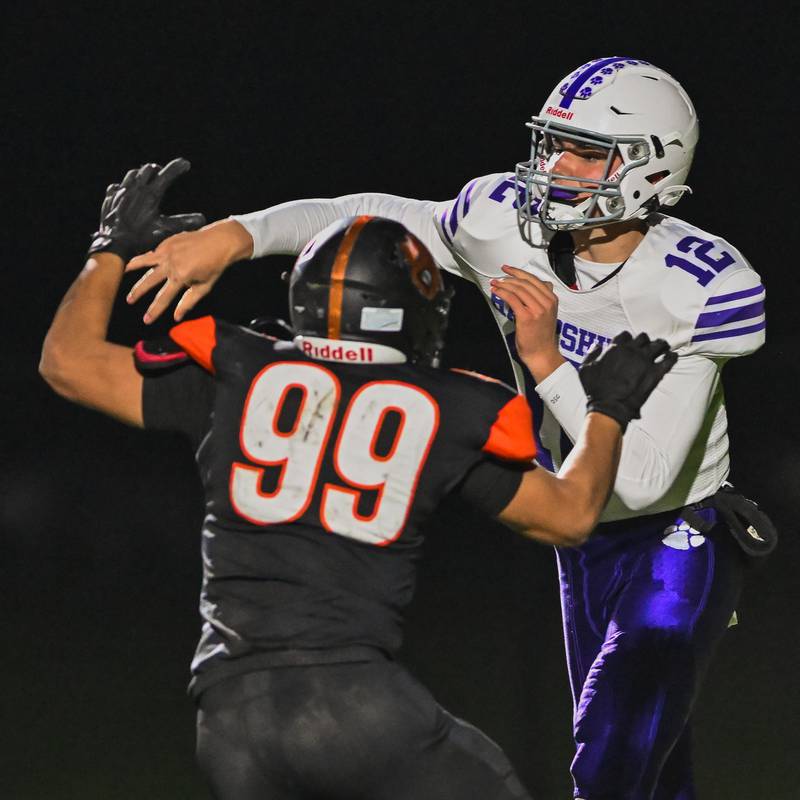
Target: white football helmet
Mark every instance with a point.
(624, 106)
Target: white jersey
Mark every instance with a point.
(681, 284)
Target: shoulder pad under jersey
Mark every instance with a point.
(158, 355)
(451, 213)
(480, 226)
(695, 290)
(198, 339)
(511, 434)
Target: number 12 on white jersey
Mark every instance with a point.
(300, 451)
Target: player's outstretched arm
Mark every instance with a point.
(564, 508)
(77, 360)
(188, 265)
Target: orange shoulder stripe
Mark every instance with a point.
(511, 435)
(198, 338)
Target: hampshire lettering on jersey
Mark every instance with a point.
(577, 340)
(571, 338)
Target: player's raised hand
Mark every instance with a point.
(130, 217)
(621, 377)
(535, 308)
(190, 263)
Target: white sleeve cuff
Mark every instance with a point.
(562, 392)
(253, 228)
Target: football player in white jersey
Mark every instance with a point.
(578, 233)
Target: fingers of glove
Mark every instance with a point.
(656, 348)
(146, 172)
(189, 299)
(666, 363)
(129, 179)
(641, 341)
(161, 301)
(178, 223)
(622, 338)
(652, 375)
(592, 355)
(111, 190)
(170, 172)
(167, 227)
(152, 278)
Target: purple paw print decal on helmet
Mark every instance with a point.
(585, 81)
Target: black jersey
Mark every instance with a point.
(317, 476)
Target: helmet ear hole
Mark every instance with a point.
(659, 148)
(655, 177)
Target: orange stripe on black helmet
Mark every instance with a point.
(338, 270)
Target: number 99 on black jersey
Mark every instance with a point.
(317, 476)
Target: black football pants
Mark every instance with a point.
(357, 731)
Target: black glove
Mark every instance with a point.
(131, 221)
(620, 378)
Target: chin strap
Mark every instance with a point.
(671, 195)
(561, 252)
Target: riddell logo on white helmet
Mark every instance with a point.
(555, 111)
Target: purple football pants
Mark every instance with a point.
(641, 621)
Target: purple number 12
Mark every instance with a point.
(700, 249)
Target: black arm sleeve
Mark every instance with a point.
(179, 399)
(490, 485)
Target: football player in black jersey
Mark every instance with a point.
(320, 458)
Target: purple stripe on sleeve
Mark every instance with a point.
(713, 318)
(443, 223)
(454, 214)
(727, 334)
(726, 298)
(572, 91)
(466, 199)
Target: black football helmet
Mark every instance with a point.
(369, 279)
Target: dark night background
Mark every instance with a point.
(99, 558)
